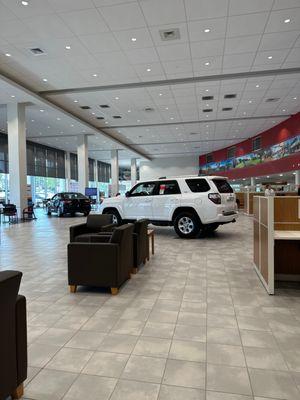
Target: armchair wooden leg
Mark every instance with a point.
(114, 290)
(73, 288)
(18, 392)
(134, 270)
(144, 262)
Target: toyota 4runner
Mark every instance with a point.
(190, 204)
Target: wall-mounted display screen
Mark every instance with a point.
(271, 153)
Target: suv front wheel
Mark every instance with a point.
(187, 225)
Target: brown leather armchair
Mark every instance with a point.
(94, 223)
(140, 243)
(102, 260)
(13, 336)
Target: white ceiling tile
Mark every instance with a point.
(277, 18)
(238, 7)
(242, 44)
(183, 32)
(102, 42)
(238, 60)
(14, 28)
(70, 5)
(179, 66)
(84, 22)
(174, 52)
(156, 69)
(248, 24)
(142, 56)
(282, 4)
(159, 12)
(35, 8)
(217, 29)
(278, 56)
(142, 36)
(202, 9)
(123, 16)
(294, 56)
(207, 48)
(279, 40)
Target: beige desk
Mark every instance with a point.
(287, 235)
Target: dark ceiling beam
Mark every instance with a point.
(178, 81)
(207, 121)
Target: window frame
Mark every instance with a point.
(159, 183)
(198, 179)
(143, 183)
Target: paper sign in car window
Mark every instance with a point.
(162, 189)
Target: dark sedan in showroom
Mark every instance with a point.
(69, 203)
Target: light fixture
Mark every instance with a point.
(133, 39)
(45, 80)
(286, 21)
(257, 86)
(129, 111)
(75, 101)
(106, 122)
(95, 75)
(280, 174)
(207, 90)
(93, 113)
(284, 110)
(138, 120)
(42, 110)
(24, 3)
(116, 98)
(250, 101)
(148, 69)
(206, 30)
(166, 108)
(171, 118)
(270, 57)
(32, 120)
(13, 96)
(72, 125)
(160, 94)
(207, 63)
(68, 47)
(8, 54)
(294, 98)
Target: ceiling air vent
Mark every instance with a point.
(100, 117)
(207, 97)
(207, 110)
(148, 109)
(104, 105)
(169, 34)
(226, 108)
(85, 107)
(36, 51)
(194, 133)
(117, 116)
(272, 99)
(230, 96)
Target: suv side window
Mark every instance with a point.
(168, 187)
(198, 185)
(223, 186)
(143, 189)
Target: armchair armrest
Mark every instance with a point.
(108, 228)
(76, 230)
(21, 339)
(93, 264)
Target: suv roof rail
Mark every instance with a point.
(162, 177)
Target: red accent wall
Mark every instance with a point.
(279, 133)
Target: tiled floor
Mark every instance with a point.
(195, 323)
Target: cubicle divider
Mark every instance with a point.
(249, 198)
(240, 197)
(276, 229)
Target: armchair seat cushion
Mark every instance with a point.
(92, 238)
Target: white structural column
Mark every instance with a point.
(133, 172)
(252, 182)
(16, 128)
(96, 178)
(297, 178)
(114, 172)
(67, 170)
(83, 163)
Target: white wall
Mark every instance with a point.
(169, 167)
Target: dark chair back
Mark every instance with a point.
(9, 287)
(95, 221)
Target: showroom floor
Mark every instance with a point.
(194, 323)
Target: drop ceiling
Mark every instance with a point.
(93, 44)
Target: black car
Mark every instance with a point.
(69, 203)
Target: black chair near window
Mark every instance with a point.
(28, 213)
(10, 211)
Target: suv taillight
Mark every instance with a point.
(215, 198)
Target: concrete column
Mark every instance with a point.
(83, 163)
(114, 172)
(297, 178)
(133, 172)
(252, 182)
(67, 170)
(16, 129)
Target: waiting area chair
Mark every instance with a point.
(94, 223)
(101, 260)
(13, 336)
(10, 211)
(28, 213)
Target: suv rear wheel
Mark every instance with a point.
(116, 216)
(187, 225)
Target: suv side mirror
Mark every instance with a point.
(127, 194)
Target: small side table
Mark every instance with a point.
(150, 234)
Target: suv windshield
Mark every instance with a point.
(198, 185)
(223, 186)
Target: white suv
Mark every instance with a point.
(190, 204)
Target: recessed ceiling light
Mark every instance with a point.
(280, 174)
(138, 120)
(133, 39)
(24, 3)
(58, 119)
(93, 113)
(8, 54)
(207, 63)
(42, 110)
(129, 111)
(32, 120)
(206, 30)
(148, 69)
(48, 127)
(160, 94)
(294, 98)
(68, 47)
(106, 122)
(13, 96)
(166, 108)
(284, 110)
(286, 21)
(45, 80)
(270, 57)
(176, 128)
(72, 125)
(95, 75)
(250, 101)
(75, 101)
(256, 85)
(172, 118)
(207, 90)
(116, 98)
